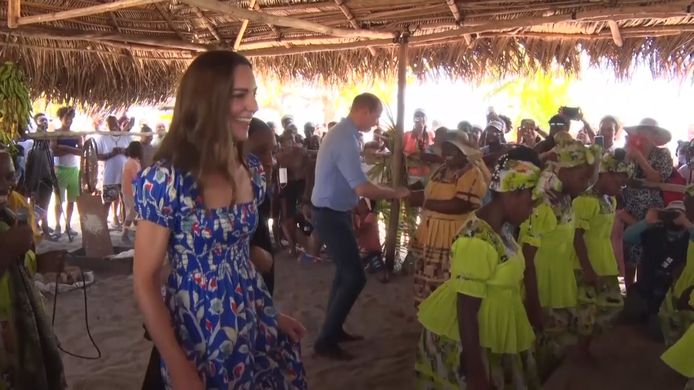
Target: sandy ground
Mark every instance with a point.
(626, 358)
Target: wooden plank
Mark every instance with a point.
(260, 17)
(616, 35)
(106, 38)
(13, 13)
(351, 19)
(80, 12)
(96, 239)
(242, 30)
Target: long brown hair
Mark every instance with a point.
(199, 140)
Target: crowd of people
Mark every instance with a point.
(518, 252)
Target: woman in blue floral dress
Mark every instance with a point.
(217, 327)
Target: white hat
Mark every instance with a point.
(648, 125)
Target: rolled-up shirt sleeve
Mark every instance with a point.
(349, 164)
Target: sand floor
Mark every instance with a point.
(626, 358)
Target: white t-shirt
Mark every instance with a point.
(113, 167)
(68, 160)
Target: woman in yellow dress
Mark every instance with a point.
(453, 191)
(547, 237)
(679, 356)
(599, 296)
(29, 357)
(476, 332)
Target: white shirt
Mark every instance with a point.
(113, 167)
(685, 171)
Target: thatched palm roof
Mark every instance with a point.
(137, 53)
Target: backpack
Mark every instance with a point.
(675, 178)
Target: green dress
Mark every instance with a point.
(599, 304)
(675, 322)
(679, 356)
(488, 266)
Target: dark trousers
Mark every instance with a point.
(336, 232)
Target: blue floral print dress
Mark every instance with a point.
(221, 311)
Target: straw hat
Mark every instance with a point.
(649, 126)
(457, 139)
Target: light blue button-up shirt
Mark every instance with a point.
(338, 168)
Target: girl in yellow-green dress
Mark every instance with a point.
(547, 237)
(599, 296)
(478, 314)
(679, 356)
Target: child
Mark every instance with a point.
(130, 170)
(366, 224)
(550, 283)
(599, 296)
(475, 331)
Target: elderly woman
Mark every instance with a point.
(454, 190)
(654, 164)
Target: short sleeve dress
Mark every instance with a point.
(220, 308)
(432, 241)
(490, 267)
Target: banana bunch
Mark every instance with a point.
(15, 104)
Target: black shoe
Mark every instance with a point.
(345, 337)
(331, 351)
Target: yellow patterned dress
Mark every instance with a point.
(551, 230)
(599, 304)
(432, 241)
(488, 266)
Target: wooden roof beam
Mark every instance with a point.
(239, 37)
(208, 25)
(14, 8)
(458, 18)
(167, 16)
(63, 35)
(616, 35)
(77, 13)
(351, 19)
(284, 21)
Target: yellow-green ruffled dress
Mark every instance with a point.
(550, 229)
(29, 358)
(680, 356)
(675, 322)
(488, 266)
(432, 241)
(599, 305)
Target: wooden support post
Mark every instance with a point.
(616, 35)
(285, 21)
(86, 11)
(13, 13)
(398, 157)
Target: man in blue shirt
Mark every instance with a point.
(339, 183)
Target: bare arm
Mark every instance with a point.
(582, 253)
(650, 173)
(151, 241)
(588, 129)
(373, 191)
(468, 327)
(450, 206)
(532, 296)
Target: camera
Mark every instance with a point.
(572, 113)
(667, 217)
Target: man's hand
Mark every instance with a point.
(683, 221)
(652, 217)
(402, 192)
